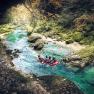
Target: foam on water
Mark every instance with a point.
(28, 62)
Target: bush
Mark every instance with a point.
(43, 29)
(77, 36)
(84, 23)
(6, 28)
(65, 20)
(73, 36)
(87, 40)
(87, 53)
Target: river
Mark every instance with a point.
(28, 63)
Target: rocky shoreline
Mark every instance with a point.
(36, 36)
(73, 60)
(14, 82)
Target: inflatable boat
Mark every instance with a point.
(43, 61)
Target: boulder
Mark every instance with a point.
(75, 61)
(72, 58)
(75, 58)
(76, 64)
(34, 37)
(39, 44)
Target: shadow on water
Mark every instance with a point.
(28, 63)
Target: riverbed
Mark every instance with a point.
(28, 63)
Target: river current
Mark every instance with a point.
(28, 63)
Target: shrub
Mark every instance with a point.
(6, 28)
(65, 20)
(87, 53)
(73, 36)
(87, 40)
(77, 36)
(84, 23)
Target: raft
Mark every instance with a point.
(54, 63)
(51, 64)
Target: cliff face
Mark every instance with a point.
(57, 6)
(52, 6)
(4, 6)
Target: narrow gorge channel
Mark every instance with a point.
(28, 63)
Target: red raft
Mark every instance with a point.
(54, 63)
(44, 61)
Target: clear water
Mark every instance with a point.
(27, 61)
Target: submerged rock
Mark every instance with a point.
(12, 53)
(7, 54)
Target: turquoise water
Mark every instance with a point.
(27, 61)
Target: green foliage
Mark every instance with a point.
(45, 26)
(43, 29)
(71, 36)
(76, 36)
(84, 23)
(87, 53)
(6, 28)
(65, 20)
(87, 40)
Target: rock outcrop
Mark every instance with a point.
(76, 61)
(39, 44)
(37, 41)
(12, 82)
(59, 85)
(34, 37)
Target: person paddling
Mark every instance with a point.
(46, 59)
(53, 60)
(40, 59)
(49, 60)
